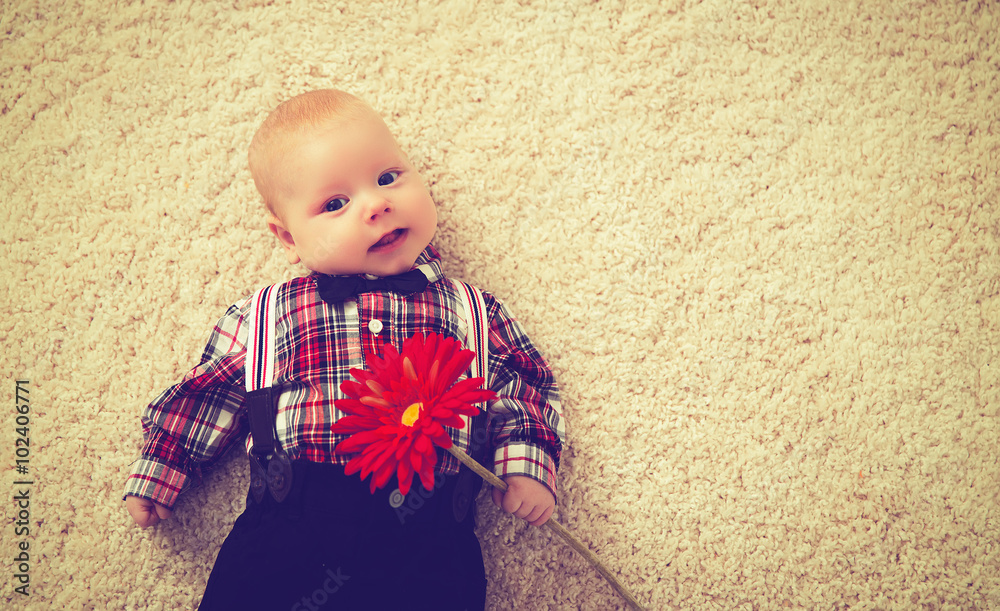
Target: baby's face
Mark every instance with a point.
(348, 201)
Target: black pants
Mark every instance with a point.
(333, 545)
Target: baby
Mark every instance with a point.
(344, 200)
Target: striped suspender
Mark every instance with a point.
(270, 468)
(468, 483)
(260, 341)
(475, 318)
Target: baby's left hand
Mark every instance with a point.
(526, 498)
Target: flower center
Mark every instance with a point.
(411, 414)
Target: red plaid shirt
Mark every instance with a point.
(195, 421)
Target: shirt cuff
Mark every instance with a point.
(519, 458)
(155, 481)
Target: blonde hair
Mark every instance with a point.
(294, 117)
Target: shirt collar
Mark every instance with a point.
(429, 262)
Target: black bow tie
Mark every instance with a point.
(335, 289)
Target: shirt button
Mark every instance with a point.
(375, 326)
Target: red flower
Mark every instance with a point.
(398, 411)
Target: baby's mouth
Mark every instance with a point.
(388, 239)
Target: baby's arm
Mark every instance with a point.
(145, 512)
(525, 425)
(526, 498)
(192, 422)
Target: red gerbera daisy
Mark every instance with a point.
(398, 411)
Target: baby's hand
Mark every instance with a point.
(526, 498)
(145, 512)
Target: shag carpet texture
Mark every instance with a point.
(757, 241)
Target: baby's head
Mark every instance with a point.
(341, 196)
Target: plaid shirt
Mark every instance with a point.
(195, 421)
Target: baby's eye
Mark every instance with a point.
(335, 204)
(388, 178)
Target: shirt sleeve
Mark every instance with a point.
(197, 419)
(526, 423)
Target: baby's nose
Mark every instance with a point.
(375, 206)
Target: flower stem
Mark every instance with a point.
(556, 527)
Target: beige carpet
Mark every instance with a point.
(758, 241)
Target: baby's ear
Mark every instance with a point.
(276, 227)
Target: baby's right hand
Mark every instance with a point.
(145, 512)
